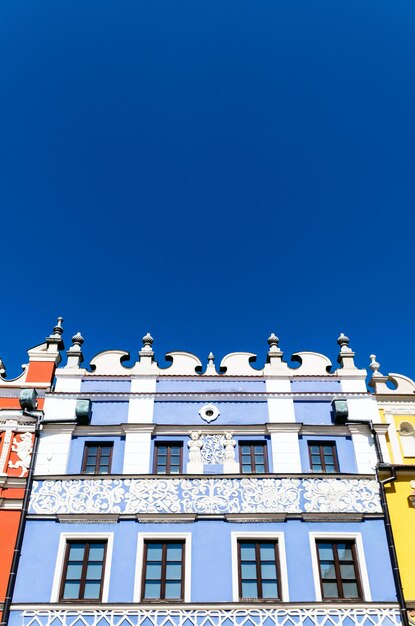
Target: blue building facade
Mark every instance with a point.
(200, 496)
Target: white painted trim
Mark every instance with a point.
(393, 437)
(57, 577)
(279, 537)
(361, 561)
(166, 536)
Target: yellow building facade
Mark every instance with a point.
(395, 395)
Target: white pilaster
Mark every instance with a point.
(393, 438)
(364, 449)
(364, 408)
(54, 447)
(280, 409)
(137, 452)
(141, 410)
(286, 451)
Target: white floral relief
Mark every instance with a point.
(152, 496)
(334, 495)
(213, 449)
(290, 616)
(211, 495)
(206, 495)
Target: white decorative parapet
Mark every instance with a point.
(205, 496)
(289, 616)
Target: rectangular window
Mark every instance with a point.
(83, 571)
(323, 457)
(168, 458)
(339, 576)
(163, 571)
(97, 458)
(258, 566)
(253, 457)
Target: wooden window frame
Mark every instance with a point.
(99, 445)
(168, 444)
(253, 465)
(322, 459)
(337, 562)
(164, 543)
(85, 561)
(257, 543)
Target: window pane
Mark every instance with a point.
(260, 469)
(330, 590)
(174, 551)
(76, 552)
(74, 571)
(96, 552)
(153, 571)
(268, 571)
(173, 590)
(328, 450)
(154, 551)
(330, 469)
(248, 570)
(71, 590)
(246, 469)
(247, 551)
(173, 571)
(152, 590)
(267, 552)
(94, 572)
(315, 450)
(327, 569)
(345, 552)
(269, 589)
(92, 590)
(347, 571)
(249, 589)
(350, 590)
(259, 458)
(325, 551)
(259, 450)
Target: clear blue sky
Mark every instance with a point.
(210, 171)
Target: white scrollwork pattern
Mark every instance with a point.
(213, 450)
(205, 495)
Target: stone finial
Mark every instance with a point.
(78, 340)
(74, 354)
(374, 365)
(273, 342)
(147, 342)
(2, 369)
(211, 358)
(346, 355)
(54, 341)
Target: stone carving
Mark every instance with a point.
(195, 445)
(332, 495)
(209, 412)
(23, 449)
(229, 444)
(290, 616)
(5, 449)
(205, 495)
(213, 451)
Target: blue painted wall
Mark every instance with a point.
(106, 386)
(76, 453)
(345, 452)
(217, 385)
(308, 412)
(104, 413)
(211, 557)
(315, 385)
(230, 412)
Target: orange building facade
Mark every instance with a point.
(21, 405)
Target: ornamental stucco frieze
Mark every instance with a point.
(258, 616)
(213, 495)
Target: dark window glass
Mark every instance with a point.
(163, 570)
(339, 574)
(97, 458)
(83, 570)
(253, 457)
(168, 458)
(258, 570)
(323, 457)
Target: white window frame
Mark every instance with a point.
(361, 561)
(139, 566)
(60, 561)
(280, 539)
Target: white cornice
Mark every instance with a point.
(201, 395)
